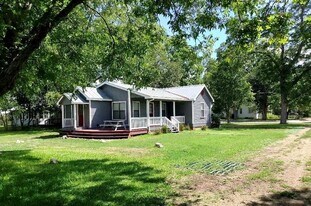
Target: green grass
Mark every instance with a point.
(307, 134)
(268, 170)
(307, 178)
(119, 172)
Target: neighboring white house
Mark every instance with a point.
(247, 112)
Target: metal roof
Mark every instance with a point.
(75, 99)
(92, 93)
(147, 92)
(191, 91)
(182, 93)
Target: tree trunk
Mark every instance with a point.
(264, 107)
(283, 119)
(228, 116)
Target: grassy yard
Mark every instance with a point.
(119, 172)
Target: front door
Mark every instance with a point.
(80, 115)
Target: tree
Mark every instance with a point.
(7, 105)
(279, 31)
(228, 83)
(23, 26)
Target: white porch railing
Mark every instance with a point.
(68, 122)
(139, 122)
(142, 122)
(181, 119)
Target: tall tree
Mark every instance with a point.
(24, 25)
(228, 83)
(280, 31)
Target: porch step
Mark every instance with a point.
(99, 137)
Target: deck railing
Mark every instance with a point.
(181, 119)
(139, 122)
(142, 122)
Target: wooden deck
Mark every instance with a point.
(101, 133)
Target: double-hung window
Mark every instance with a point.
(202, 110)
(136, 109)
(118, 110)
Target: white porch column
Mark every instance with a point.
(192, 113)
(174, 109)
(148, 114)
(63, 116)
(75, 116)
(90, 120)
(129, 109)
(161, 112)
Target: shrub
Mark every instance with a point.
(181, 127)
(215, 121)
(204, 127)
(272, 116)
(165, 129)
(187, 127)
(157, 132)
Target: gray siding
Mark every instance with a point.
(198, 120)
(100, 111)
(142, 106)
(184, 109)
(64, 101)
(116, 95)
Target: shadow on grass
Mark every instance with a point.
(25, 180)
(264, 126)
(288, 198)
(48, 136)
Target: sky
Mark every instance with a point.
(216, 33)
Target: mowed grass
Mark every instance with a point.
(120, 172)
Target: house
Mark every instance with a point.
(122, 106)
(246, 112)
(43, 118)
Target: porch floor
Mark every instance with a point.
(101, 133)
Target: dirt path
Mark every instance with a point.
(271, 178)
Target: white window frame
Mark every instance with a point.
(71, 111)
(133, 113)
(118, 102)
(204, 113)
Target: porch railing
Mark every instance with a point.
(68, 122)
(142, 122)
(139, 122)
(181, 119)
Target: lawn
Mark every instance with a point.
(119, 172)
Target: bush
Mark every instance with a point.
(215, 121)
(272, 116)
(157, 132)
(165, 129)
(181, 127)
(204, 127)
(187, 127)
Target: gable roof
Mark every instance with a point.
(92, 93)
(191, 91)
(88, 93)
(183, 93)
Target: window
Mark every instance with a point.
(151, 109)
(136, 109)
(241, 110)
(68, 111)
(164, 109)
(118, 110)
(202, 110)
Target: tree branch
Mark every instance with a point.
(106, 23)
(32, 42)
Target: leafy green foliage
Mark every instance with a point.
(228, 83)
